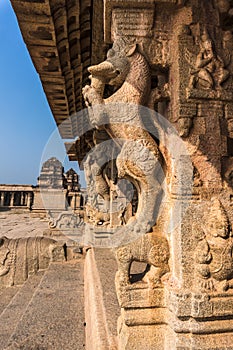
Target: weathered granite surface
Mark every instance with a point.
(47, 312)
(175, 58)
(59, 321)
(16, 225)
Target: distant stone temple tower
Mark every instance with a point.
(74, 197)
(52, 174)
(72, 181)
(57, 191)
(60, 191)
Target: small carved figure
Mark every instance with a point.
(99, 169)
(151, 248)
(214, 253)
(185, 125)
(92, 195)
(227, 47)
(159, 95)
(121, 215)
(4, 251)
(196, 177)
(66, 221)
(209, 72)
(97, 217)
(223, 5)
(225, 8)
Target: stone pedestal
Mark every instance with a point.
(142, 322)
(169, 319)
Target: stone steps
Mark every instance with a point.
(47, 312)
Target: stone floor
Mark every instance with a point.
(15, 225)
(47, 311)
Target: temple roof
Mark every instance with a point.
(62, 44)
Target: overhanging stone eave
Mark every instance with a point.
(57, 36)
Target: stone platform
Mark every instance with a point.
(16, 225)
(47, 312)
(53, 310)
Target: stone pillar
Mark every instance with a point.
(12, 195)
(22, 198)
(1, 199)
(191, 307)
(25, 198)
(29, 199)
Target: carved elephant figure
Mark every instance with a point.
(151, 248)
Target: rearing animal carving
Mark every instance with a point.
(139, 160)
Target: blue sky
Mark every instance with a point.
(26, 120)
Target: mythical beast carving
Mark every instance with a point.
(139, 159)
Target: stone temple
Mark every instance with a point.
(143, 91)
(64, 187)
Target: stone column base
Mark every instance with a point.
(183, 321)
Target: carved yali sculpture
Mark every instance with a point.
(140, 159)
(214, 252)
(22, 257)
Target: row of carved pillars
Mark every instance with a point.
(16, 199)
